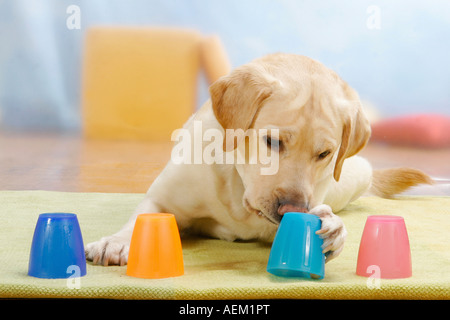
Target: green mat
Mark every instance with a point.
(216, 269)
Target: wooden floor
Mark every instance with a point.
(71, 163)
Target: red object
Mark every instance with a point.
(384, 250)
(421, 130)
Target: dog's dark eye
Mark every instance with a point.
(324, 154)
(273, 144)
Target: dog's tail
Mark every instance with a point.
(388, 182)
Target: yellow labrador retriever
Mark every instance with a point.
(311, 124)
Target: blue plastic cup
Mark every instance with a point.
(297, 249)
(57, 250)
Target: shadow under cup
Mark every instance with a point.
(297, 249)
(57, 249)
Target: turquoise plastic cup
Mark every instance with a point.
(297, 249)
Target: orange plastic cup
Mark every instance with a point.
(155, 248)
(384, 247)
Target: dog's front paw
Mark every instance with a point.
(111, 250)
(333, 231)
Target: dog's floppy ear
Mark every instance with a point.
(237, 98)
(355, 134)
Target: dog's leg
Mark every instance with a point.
(113, 250)
(356, 177)
(333, 231)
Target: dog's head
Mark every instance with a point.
(319, 124)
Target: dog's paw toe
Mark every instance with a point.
(112, 250)
(332, 232)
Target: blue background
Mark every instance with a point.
(403, 67)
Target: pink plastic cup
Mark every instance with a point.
(384, 247)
